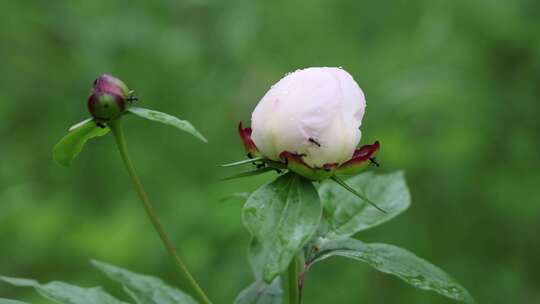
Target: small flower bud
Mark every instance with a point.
(108, 98)
(315, 113)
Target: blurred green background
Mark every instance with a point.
(453, 91)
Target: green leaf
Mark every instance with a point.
(6, 301)
(345, 186)
(65, 293)
(167, 119)
(243, 162)
(261, 293)
(345, 214)
(398, 262)
(281, 216)
(71, 145)
(249, 173)
(144, 289)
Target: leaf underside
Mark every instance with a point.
(398, 262)
(72, 144)
(144, 289)
(6, 301)
(65, 293)
(261, 293)
(167, 119)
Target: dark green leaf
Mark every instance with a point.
(6, 301)
(167, 119)
(398, 262)
(261, 293)
(281, 216)
(65, 293)
(249, 173)
(71, 145)
(345, 214)
(144, 289)
(361, 196)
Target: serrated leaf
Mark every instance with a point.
(398, 262)
(281, 216)
(144, 289)
(167, 119)
(65, 293)
(6, 301)
(345, 214)
(261, 293)
(72, 144)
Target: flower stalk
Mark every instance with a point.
(294, 290)
(116, 128)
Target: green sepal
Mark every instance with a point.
(296, 164)
(243, 162)
(249, 173)
(343, 184)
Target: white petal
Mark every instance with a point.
(315, 111)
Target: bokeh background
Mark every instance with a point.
(453, 90)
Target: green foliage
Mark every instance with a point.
(250, 173)
(65, 293)
(72, 144)
(281, 216)
(6, 301)
(261, 293)
(395, 261)
(452, 94)
(143, 289)
(243, 162)
(167, 119)
(345, 214)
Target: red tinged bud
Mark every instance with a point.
(108, 98)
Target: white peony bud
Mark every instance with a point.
(314, 112)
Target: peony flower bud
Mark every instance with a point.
(108, 98)
(314, 113)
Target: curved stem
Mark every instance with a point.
(294, 296)
(116, 129)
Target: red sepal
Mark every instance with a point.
(296, 164)
(360, 160)
(249, 145)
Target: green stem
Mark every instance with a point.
(294, 296)
(116, 129)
